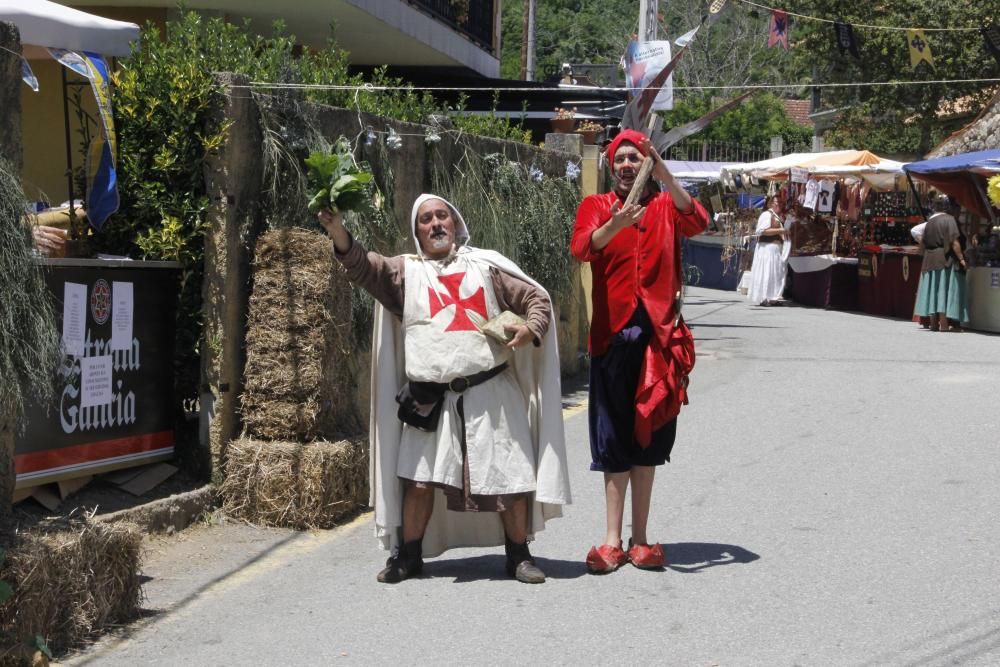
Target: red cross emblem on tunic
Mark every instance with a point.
(439, 301)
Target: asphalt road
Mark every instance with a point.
(833, 500)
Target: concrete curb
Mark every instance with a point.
(168, 514)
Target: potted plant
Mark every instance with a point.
(564, 121)
(589, 129)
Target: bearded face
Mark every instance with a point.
(435, 229)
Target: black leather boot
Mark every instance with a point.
(405, 563)
(521, 565)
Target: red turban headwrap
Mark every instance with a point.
(632, 136)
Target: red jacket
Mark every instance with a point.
(638, 264)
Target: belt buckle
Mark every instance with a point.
(463, 384)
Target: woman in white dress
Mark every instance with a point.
(767, 274)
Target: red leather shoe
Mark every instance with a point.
(605, 559)
(646, 556)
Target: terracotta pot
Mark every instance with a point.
(563, 125)
(589, 136)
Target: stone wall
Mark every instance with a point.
(10, 95)
(980, 135)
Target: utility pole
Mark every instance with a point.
(528, 42)
(648, 15)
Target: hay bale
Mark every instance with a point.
(298, 371)
(295, 485)
(70, 583)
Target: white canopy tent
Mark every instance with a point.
(47, 24)
(879, 172)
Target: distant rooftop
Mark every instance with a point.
(798, 110)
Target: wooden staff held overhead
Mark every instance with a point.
(645, 169)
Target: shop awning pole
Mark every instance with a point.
(913, 188)
(69, 148)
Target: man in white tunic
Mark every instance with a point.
(457, 414)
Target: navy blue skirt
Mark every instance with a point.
(614, 377)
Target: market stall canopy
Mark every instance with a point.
(707, 172)
(45, 24)
(865, 165)
(962, 176)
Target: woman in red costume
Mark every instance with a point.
(635, 392)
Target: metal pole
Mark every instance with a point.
(69, 149)
(530, 60)
(647, 20)
(524, 41)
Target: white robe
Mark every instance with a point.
(767, 274)
(536, 372)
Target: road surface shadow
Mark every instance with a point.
(692, 557)
(492, 568)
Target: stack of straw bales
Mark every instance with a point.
(299, 368)
(300, 462)
(70, 583)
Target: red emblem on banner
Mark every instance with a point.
(100, 301)
(439, 301)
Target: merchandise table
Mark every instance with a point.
(824, 281)
(888, 280)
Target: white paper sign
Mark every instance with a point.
(799, 174)
(121, 315)
(95, 380)
(643, 61)
(74, 318)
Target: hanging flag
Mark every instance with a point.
(686, 38)
(714, 12)
(643, 61)
(27, 75)
(844, 35)
(102, 180)
(663, 141)
(920, 48)
(778, 31)
(991, 35)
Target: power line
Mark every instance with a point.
(265, 85)
(856, 25)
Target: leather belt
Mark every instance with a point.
(460, 384)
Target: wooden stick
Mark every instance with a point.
(639, 186)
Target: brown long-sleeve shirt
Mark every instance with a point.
(385, 279)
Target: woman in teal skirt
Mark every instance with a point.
(941, 294)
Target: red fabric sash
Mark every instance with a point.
(663, 382)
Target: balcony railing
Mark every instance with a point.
(472, 18)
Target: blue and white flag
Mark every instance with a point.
(102, 179)
(27, 75)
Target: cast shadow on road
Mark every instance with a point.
(699, 325)
(713, 302)
(694, 557)
(491, 568)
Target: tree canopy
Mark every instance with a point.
(901, 118)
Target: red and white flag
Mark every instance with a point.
(778, 30)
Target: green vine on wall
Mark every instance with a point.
(515, 210)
